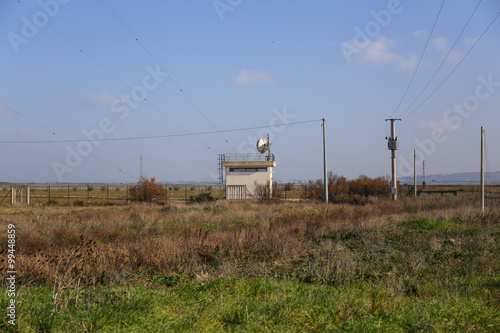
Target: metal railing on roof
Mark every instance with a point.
(247, 157)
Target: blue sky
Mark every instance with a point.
(75, 68)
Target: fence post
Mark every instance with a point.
(127, 191)
(88, 194)
(68, 194)
(49, 192)
(11, 195)
(166, 192)
(185, 192)
(285, 191)
(107, 193)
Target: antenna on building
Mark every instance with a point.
(263, 146)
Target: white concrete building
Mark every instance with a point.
(244, 172)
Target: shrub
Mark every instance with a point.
(78, 203)
(262, 192)
(341, 190)
(103, 188)
(147, 190)
(202, 197)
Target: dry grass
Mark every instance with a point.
(215, 239)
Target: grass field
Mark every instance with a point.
(426, 264)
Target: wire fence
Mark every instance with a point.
(113, 194)
(120, 194)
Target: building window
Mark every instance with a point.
(247, 169)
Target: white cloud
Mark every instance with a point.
(470, 41)
(251, 77)
(443, 46)
(420, 33)
(380, 52)
(442, 125)
(103, 99)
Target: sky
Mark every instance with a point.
(81, 73)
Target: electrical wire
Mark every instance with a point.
(116, 77)
(455, 68)
(134, 36)
(421, 57)
(65, 140)
(444, 60)
(159, 136)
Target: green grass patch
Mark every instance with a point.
(424, 224)
(253, 305)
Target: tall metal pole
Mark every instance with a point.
(482, 169)
(325, 169)
(393, 145)
(424, 184)
(414, 173)
(140, 174)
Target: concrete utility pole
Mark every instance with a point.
(424, 184)
(414, 173)
(482, 169)
(140, 174)
(393, 145)
(324, 162)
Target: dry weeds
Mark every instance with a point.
(73, 247)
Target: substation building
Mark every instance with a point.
(244, 173)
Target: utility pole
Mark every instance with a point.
(393, 145)
(482, 169)
(424, 184)
(324, 162)
(140, 173)
(414, 173)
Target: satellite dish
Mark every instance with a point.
(262, 145)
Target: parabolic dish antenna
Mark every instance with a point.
(262, 145)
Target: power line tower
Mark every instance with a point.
(393, 145)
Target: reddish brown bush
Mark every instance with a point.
(147, 190)
(341, 190)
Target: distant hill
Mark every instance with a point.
(463, 177)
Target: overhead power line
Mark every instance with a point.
(116, 77)
(160, 136)
(455, 68)
(134, 36)
(444, 60)
(71, 142)
(420, 60)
